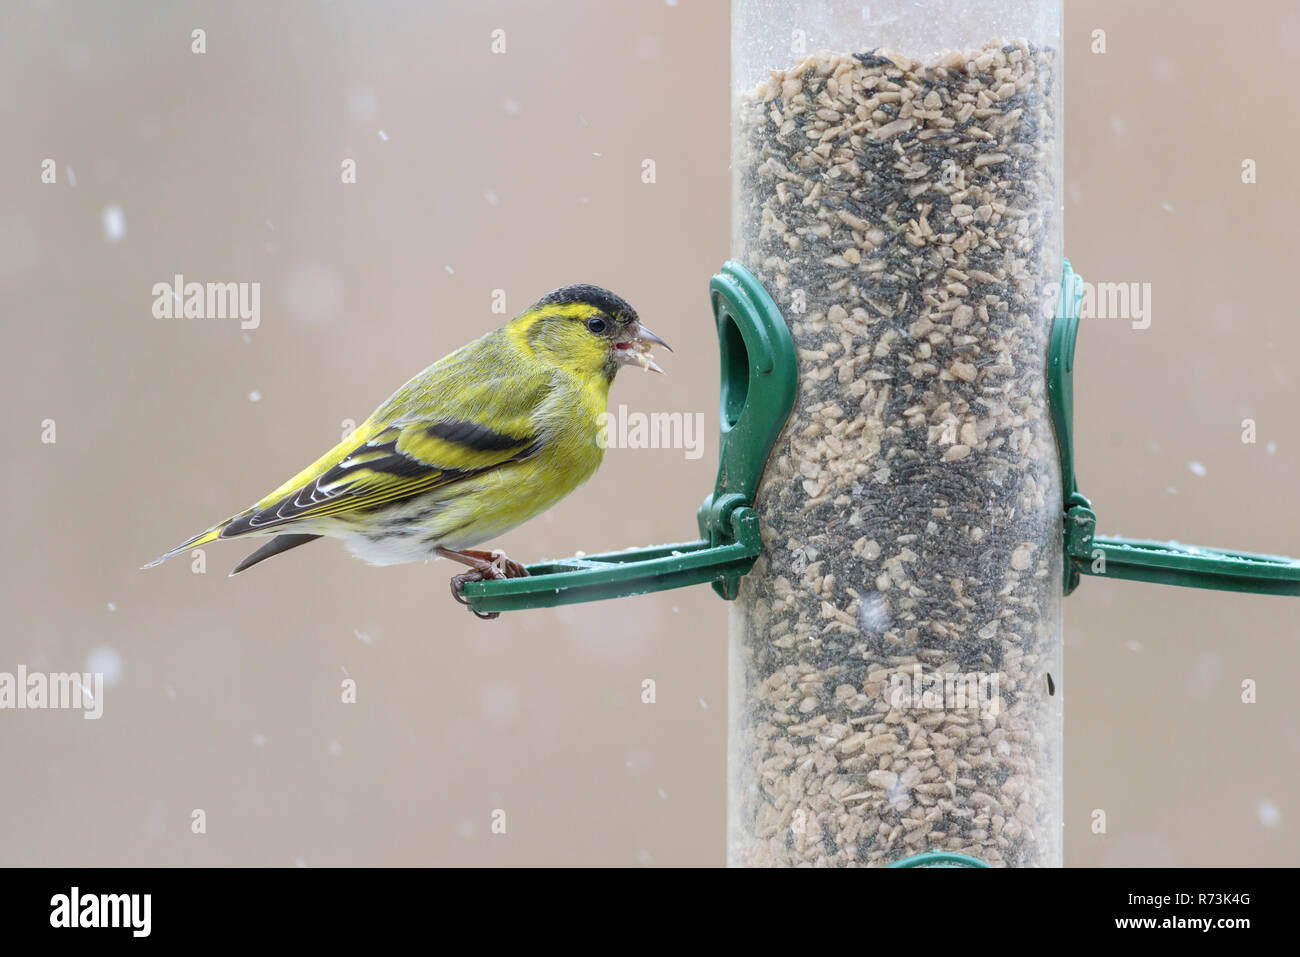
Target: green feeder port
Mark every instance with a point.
(1163, 563)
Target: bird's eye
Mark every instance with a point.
(596, 324)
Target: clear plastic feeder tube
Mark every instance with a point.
(896, 653)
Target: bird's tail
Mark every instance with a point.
(281, 543)
(203, 538)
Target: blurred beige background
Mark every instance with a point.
(521, 172)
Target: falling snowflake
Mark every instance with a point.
(1269, 813)
(103, 660)
(873, 614)
(114, 224)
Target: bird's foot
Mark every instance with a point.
(493, 566)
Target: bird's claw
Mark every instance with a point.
(498, 567)
(458, 583)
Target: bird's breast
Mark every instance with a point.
(575, 427)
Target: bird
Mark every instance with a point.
(478, 443)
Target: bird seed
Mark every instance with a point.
(890, 649)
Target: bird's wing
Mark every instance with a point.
(419, 452)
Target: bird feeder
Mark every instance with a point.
(896, 514)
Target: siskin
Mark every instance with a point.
(481, 441)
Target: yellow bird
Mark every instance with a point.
(481, 441)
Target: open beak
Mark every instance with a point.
(635, 350)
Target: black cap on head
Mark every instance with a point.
(602, 299)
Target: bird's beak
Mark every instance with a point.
(635, 349)
(645, 335)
